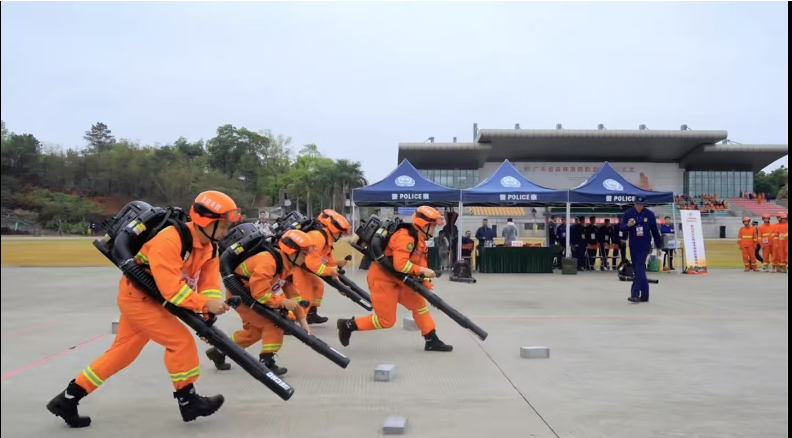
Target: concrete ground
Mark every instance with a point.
(708, 357)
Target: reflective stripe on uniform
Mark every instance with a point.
(143, 259)
(179, 298)
(407, 268)
(376, 322)
(318, 302)
(245, 270)
(321, 270)
(212, 293)
(265, 298)
(423, 310)
(270, 348)
(92, 377)
(747, 237)
(178, 377)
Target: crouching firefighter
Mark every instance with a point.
(321, 263)
(406, 250)
(267, 275)
(187, 279)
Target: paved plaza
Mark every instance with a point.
(707, 358)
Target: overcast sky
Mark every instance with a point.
(358, 78)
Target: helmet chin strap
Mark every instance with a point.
(425, 232)
(214, 233)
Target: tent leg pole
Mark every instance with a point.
(354, 253)
(676, 239)
(568, 227)
(459, 233)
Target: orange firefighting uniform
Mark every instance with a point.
(747, 243)
(268, 289)
(387, 291)
(320, 262)
(766, 236)
(187, 284)
(781, 245)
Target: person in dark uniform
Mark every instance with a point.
(561, 234)
(758, 245)
(551, 232)
(578, 242)
(607, 238)
(641, 224)
(667, 229)
(592, 243)
(621, 239)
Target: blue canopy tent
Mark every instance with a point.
(405, 187)
(608, 187)
(508, 187)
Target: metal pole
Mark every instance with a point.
(354, 252)
(681, 253)
(568, 237)
(459, 232)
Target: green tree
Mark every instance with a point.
(4, 130)
(784, 193)
(771, 183)
(21, 156)
(100, 138)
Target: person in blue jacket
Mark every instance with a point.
(641, 224)
(577, 234)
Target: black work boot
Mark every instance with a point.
(314, 317)
(193, 405)
(345, 329)
(219, 359)
(268, 359)
(64, 405)
(433, 343)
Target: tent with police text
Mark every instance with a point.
(608, 187)
(404, 187)
(507, 187)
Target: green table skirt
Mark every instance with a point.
(503, 260)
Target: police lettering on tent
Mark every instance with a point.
(410, 196)
(518, 197)
(625, 199)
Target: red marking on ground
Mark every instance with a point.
(35, 327)
(51, 357)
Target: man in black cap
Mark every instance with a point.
(641, 224)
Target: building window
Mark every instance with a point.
(724, 184)
(453, 178)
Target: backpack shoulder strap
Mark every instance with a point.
(187, 241)
(413, 233)
(275, 255)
